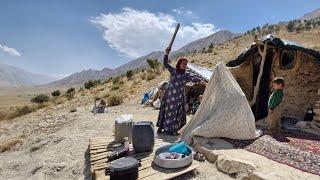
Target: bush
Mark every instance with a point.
(106, 95)
(71, 90)
(70, 93)
(290, 26)
(150, 76)
(91, 83)
(56, 93)
(129, 74)
(9, 145)
(115, 100)
(154, 63)
(143, 76)
(20, 111)
(115, 87)
(116, 80)
(41, 98)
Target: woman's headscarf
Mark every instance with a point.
(179, 63)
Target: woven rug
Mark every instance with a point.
(297, 149)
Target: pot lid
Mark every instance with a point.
(123, 164)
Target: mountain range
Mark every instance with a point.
(80, 77)
(12, 76)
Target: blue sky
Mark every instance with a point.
(60, 37)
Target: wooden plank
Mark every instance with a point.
(163, 174)
(101, 147)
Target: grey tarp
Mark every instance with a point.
(200, 71)
(224, 111)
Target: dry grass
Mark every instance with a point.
(9, 145)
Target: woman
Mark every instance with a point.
(172, 114)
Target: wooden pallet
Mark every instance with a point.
(101, 147)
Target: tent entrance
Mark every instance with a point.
(260, 109)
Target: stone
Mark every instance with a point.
(316, 110)
(318, 92)
(211, 155)
(303, 125)
(236, 168)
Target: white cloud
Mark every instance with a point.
(136, 33)
(11, 51)
(183, 11)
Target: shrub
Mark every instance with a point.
(150, 76)
(106, 95)
(9, 145)
(56, 93)
(71, 90)
(2, 116)
(143, 76)
(116, 80)
(154, 63)
(290, 26)
(129, 74)
(91, 83)
(20, 111)
(41, 98)
(70, 93)
(115, 100)
(115, 87)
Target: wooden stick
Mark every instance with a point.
(174, 36)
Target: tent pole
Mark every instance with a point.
(263, 59)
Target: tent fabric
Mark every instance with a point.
(224, 111)
(275, 41)
(200, 71)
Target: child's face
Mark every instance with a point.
(277, 86)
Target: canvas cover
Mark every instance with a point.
(224, 111)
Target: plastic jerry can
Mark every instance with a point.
(143, 136)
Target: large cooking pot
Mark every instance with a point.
(124, 168)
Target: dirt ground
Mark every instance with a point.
(54, 142)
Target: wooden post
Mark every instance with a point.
(257, 87)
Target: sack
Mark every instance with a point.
(309, 115)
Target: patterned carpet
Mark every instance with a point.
(297, 149)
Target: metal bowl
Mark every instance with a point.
(171, 163)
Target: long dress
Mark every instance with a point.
(172, 114)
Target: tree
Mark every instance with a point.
(56, 93)
(41, 98)
(70, 93)
(89, 84)
(153, 63)
(129, 74)
(290, 26)
(210, 46)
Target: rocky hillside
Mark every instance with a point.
(80, 77)
(312, 15)
(12, 76)
(216, 38)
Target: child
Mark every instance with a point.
(196, 105)
(274, 112)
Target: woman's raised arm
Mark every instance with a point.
(166, 61)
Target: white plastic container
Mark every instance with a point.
(123, 128)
